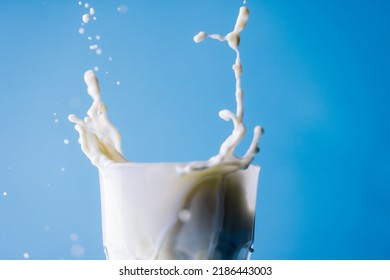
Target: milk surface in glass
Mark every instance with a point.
(196, 210)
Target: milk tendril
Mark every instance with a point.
(226, 151)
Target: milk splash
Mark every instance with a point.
(101, 141)
(226, 152)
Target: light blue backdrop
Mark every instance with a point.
(315, 76)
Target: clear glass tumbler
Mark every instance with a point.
(152, 211)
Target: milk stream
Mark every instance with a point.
(226, 155)
(196, 210)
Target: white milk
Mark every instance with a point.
(151, 212)
(196, 210)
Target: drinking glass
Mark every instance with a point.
(153, 211)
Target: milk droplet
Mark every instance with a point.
(86, 5)
(118, 83)
(99, 51)
(66, 141)
(110, 58)
(200, 37)
(89, 38)
(74, 237)
(80, 3)
(26, 255)
(81, 30)
(77, 250)
(86, 18)
(94, 18)
(123, 9)
(5, 193)
(62, 169)
(91, 11)
(97, 37)
(93, 47)
(56, 120)
(96, 68)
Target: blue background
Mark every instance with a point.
(315, 77)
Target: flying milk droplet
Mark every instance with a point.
(122, 9)
(85, 18)
(77, 250)
(200, 37)
(74, 237)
